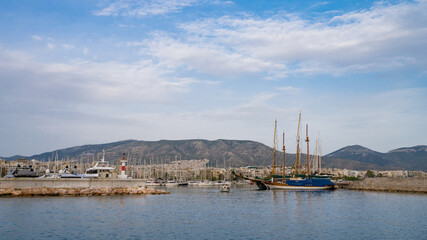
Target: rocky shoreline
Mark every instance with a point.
(71, 192)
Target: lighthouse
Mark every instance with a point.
(123, 162)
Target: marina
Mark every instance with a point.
(230, 120)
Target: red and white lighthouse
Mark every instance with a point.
(123, 162)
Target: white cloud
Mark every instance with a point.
(84, 81)
(289, 89)
(37, 38)
(67, 46)
(51, 46)
(209, 58)
(143, 8)
(383, 37)
(319, 4)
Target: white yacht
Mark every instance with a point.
(102, 169)
(171, 183)
(157, 182)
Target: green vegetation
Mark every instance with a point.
(351, 178)
(370, 174)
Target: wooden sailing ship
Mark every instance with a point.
(296, 181)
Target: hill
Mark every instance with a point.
(361, 158)
(238, 153)
(235, 153)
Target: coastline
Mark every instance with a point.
(387, 184)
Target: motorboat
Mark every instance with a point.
(24, 171)
(102, 169)
(225, 188)
(171, 183)
(157, 182)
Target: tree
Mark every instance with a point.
(370, 174)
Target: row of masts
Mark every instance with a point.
(316, 159)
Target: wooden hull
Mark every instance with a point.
(299, 184)
(281, 186)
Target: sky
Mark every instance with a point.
(96, 71)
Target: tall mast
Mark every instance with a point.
(308, 154)
(320, 156)
(103, 156)
(274, 147)
(284, 170)
(316, 157)
(297, 154)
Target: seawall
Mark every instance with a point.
(25, 183)
(395, 184)
(17, 187)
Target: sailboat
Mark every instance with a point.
(296, 181)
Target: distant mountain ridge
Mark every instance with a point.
(361, 158)
(238, 153)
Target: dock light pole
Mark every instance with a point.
(308, 154)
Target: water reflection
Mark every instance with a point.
(205, 213)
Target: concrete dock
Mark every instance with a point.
(394, 184)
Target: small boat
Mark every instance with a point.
(67, 174)
(182, 183)
(193, 183)
(225, 188)
(23, 171)
(157, 182)
(172, 183)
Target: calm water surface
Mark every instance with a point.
(206, 213)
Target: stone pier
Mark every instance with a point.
(395, 184)
(74, 187)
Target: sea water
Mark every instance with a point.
(207, 213)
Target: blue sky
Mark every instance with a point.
(86, 72)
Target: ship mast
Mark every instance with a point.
(320, 156)
(284, 165)
(316, 160)
(308, 154)
(298, 138)
(274, 148)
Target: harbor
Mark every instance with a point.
(207, 213)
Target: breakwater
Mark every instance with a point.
(104, 191)
(23, 183)
(396, 184)
(74, 187)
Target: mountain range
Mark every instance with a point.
(237, 153)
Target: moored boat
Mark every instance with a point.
(102, 169)
(296, 182)
(157, 182)
(24, 171)
(225, 188)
